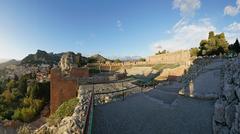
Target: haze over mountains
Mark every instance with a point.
(3, 60)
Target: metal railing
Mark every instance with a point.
(89, 117)
(95, 98)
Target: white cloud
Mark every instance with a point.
(232, 32)
(234, 27)
(119, 25)
(187, 7)
(232, 10)
(185, 35)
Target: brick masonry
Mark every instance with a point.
(180, 57)
(64, 87)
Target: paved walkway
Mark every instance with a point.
(162, 110)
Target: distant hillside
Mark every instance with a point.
(130, 58)
(42, 57)
(3, 60)
(10, 62)
(97, 58)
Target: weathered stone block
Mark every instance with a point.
(229, 92)
(230, 114)
(224, 130)
(219, 111)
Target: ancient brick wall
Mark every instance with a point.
(180, 57)
(172, 74)
(64, 87)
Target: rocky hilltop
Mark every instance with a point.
(41, 57)
(97, 58)
(70, 59)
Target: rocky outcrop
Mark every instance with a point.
(41, 57)
(74, 124)
(226, 119)
(97, 58)
(70, 60)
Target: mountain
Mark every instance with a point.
(130, 58)
(97, 58)
(127, 58)
(42, 57)
(7, 63)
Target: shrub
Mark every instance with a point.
(33, 90)
(8, 97)
(33, 103)
(194, 52)
(44, 91)
(7, 114)
(142, 59)
(160, 67)
(94, 71)
(25, 129)
(29, 111)
(66, 109)
(24, 114)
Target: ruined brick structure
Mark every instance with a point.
(64, 86)
(180, 57)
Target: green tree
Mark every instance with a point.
(11, 84)
(211, 35)
(161, 52)
(194, 52)
(117, 61)
(235, 48)
(215, 45)
(33, 90)
(22, 85)
(142, 59)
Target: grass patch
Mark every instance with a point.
(160, 67)
(64, 110)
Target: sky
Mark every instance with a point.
(113, 28)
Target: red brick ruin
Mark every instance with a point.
(64, 87)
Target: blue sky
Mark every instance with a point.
(112, 28)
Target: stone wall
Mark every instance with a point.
(76, 123)
(226, 118)
(64, 87)
(191, 74)
(180, 57)
(172, 74)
